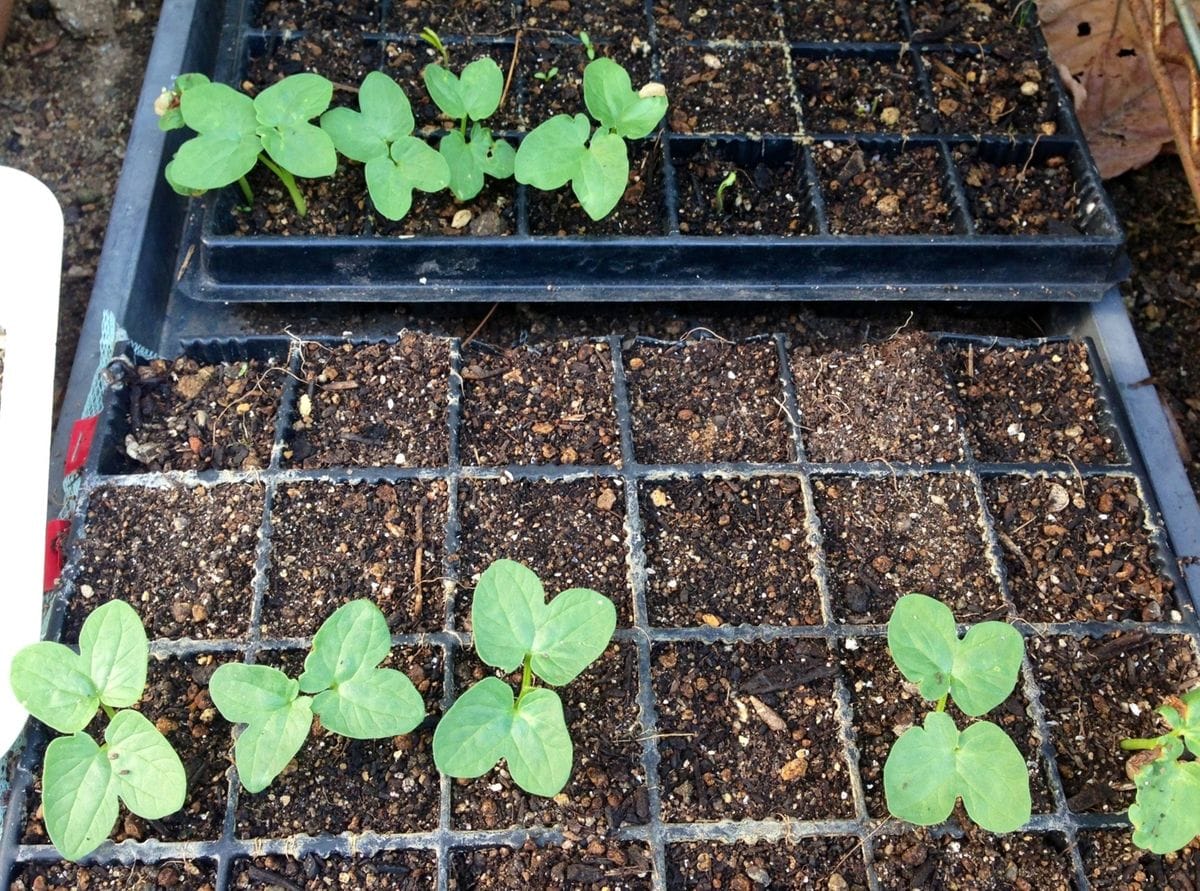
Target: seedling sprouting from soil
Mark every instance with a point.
(728, 181)
(565, 149)
(931, 767)
(588, 45)
(342, 684)
(1166, 813)
(434, 40)
(469, 99)
(82, 782)
(514, 626)
(546, 76)
(380, 136)
(235, 132)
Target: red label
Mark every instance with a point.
(81, 444)
(56, 534)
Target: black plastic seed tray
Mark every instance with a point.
(436, 852)
(819, 164)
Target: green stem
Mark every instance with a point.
(464, 129)
(247, 192)
(526, 678)
(941, 705)
(289, 183)
(1132, 745)
(109, 710)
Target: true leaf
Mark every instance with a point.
(551, 155)
(612, 101)
(149, 776)
(354, 637)
(473, 734)
(52, 683)
(1166, 814)
(114, 652)
(507, 608)
(79, 795)
(378, 703)
(603, 175)
(482, 84)
(575, 629)
(265, 746)
(539, 750)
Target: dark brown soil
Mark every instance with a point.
(1033, 198)
(607, 788)
(989, 94)
(339, 54)
(1078, 550)
(563, 93)
(336, 784)
(390, 870)
(1097, 692)
(727, 552)
(336, 205)
(808, 21)
(978, 861)
(843, 395)
(720, 89)
(186, 416)
(183, 558)
(492, 212)
(1002, 22)
(405, 59)
(889, 536)
(1112, 863)
(766, 199)
(1033, 405)
(600, 866)
(874, 194)
(618, 21)
(373, 406)
(183, 875)
(885, 705)
(298, 15)
(331, 544)
(475, 18)
(819, 863)
(641, 210)
(571, 534)
(680, 20)
(707, 400)
(839, 94)
(720, 758)
(551, 404)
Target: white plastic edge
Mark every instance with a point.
(31, 238)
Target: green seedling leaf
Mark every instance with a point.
(551, 155)
(472, 735)
(52, 684)
(539, 750)
(1182, 715)
(243, 693)
(355, 638)
(114, 652)
(227, 145)
(507, 608)
(167, 104)
(283, 113)
(466, 173)
(445, 90)
(148, 775)
(482, 84)
(79, 795)
(1166, 814)
(412, 165)
(494, 156)
(385, 116)
(929, 768)
(979, 671)
(611, 99)
(572, 633)
(378, 703)
(603, 175)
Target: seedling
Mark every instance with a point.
(469, 99)
(1166, 812)
(380, 136)
(931, 767)
(343, 686)
(235, 132)
(596, 164)
(514, 626)
(546, 76)
(728, 181)
(82, 782)
(588, 45)
(431, 37)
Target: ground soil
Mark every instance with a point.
(862, 95)
(680, 20)
(1032, 197)
(338, 53)
(982, 94)
(1112, 863)
(182, 875)
(721, 89)
(841, 20)
(602, 866)
(868, 193)
(711, 866)
(381, 871)
(979, 860)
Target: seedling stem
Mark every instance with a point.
(247, 192)
(725, 184)
(431, 37)
(289, 183)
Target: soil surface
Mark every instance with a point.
(983, 94)
(822, 862)
(382, 871)
(300, 15)
(841, 20)
(978, 860)
(863, 95)
(996, 22)
(1031, 197)
(1113, 863)
(602, 866)
(472, 18)
(869, 193)
(680, 20)
(616, 21)
(183, 875)
(721, 89)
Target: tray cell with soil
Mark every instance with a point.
(989, 94)
(869, 93)
(409, 870)
(829, 862)
(614, 22)
(976, 860)
(298, 15)
(1112, 863)
(615, 866)
(1004, 23)
(723, 89)
(452, 18)
(739, 20)
(551, 70)
(841, 21)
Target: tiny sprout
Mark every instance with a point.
(588, 45)
(725, 184)
(546, 76)
(431, 37)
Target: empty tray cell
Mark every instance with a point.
(553, 73)
(984, 93)
(885, 705)
(550, 405)
(1021, 190)
(340, 784)
(372, 406)
(337, 205)
(1099, 691)
(1034, 403)
(185, 415)
(680, 20)
(453, 18)
(619, 21)
(769, 195)
(608, 865)
(871, 93)
(405, 59)
(887, 536)
(492, 212)
(836, 21)
(1004, 23)
(342, 55)
(183, 558)
(641, 210)
(572, 534)
(299, 15)
(723, 89)
(181, 875)
(727, 552)
(406, 869)
(607, 784)
(921, 859)
(828, 862)
(1078, 550)
(884, 190)
(902, 379)
(333, 543)
(1112, 862)
(749, 731)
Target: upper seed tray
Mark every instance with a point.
(909, 150)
